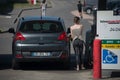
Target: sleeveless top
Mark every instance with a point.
(76, 32)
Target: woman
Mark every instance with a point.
(76, 35)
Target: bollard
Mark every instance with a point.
(97, 59)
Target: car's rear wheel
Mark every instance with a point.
(15, 65)
(89, 11)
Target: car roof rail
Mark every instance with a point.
(59, 18)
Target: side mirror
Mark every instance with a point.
(11, 30)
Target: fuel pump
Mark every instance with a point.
(107, 28)
(90, 35)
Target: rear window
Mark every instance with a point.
(41, 27)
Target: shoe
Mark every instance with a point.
(81, 67)
(77, 68)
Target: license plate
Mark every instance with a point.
(40, 53)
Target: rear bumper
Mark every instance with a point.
(62, 56)
(41, 59)
(38, 47)
(25, 54)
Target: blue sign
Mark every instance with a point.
(108, 57)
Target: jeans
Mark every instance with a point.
(78, 48)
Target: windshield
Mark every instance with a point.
(41, 27)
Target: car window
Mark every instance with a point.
(112, 5)
(41, 27)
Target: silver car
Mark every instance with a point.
(40, 39)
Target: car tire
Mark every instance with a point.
(89, 11)
(15, 65)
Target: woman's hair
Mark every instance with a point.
(76, 19)
(79, 1)
(43, 1)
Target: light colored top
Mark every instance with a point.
(76, 31)
(44, 6)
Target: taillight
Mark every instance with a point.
(18, 56)
(62, 36)
(63, 56)
(19, 36)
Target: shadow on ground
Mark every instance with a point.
(6, 63)
(115, 74)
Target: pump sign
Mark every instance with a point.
(108, 30)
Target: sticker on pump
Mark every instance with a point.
(109, 57)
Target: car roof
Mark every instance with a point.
(32, 18)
